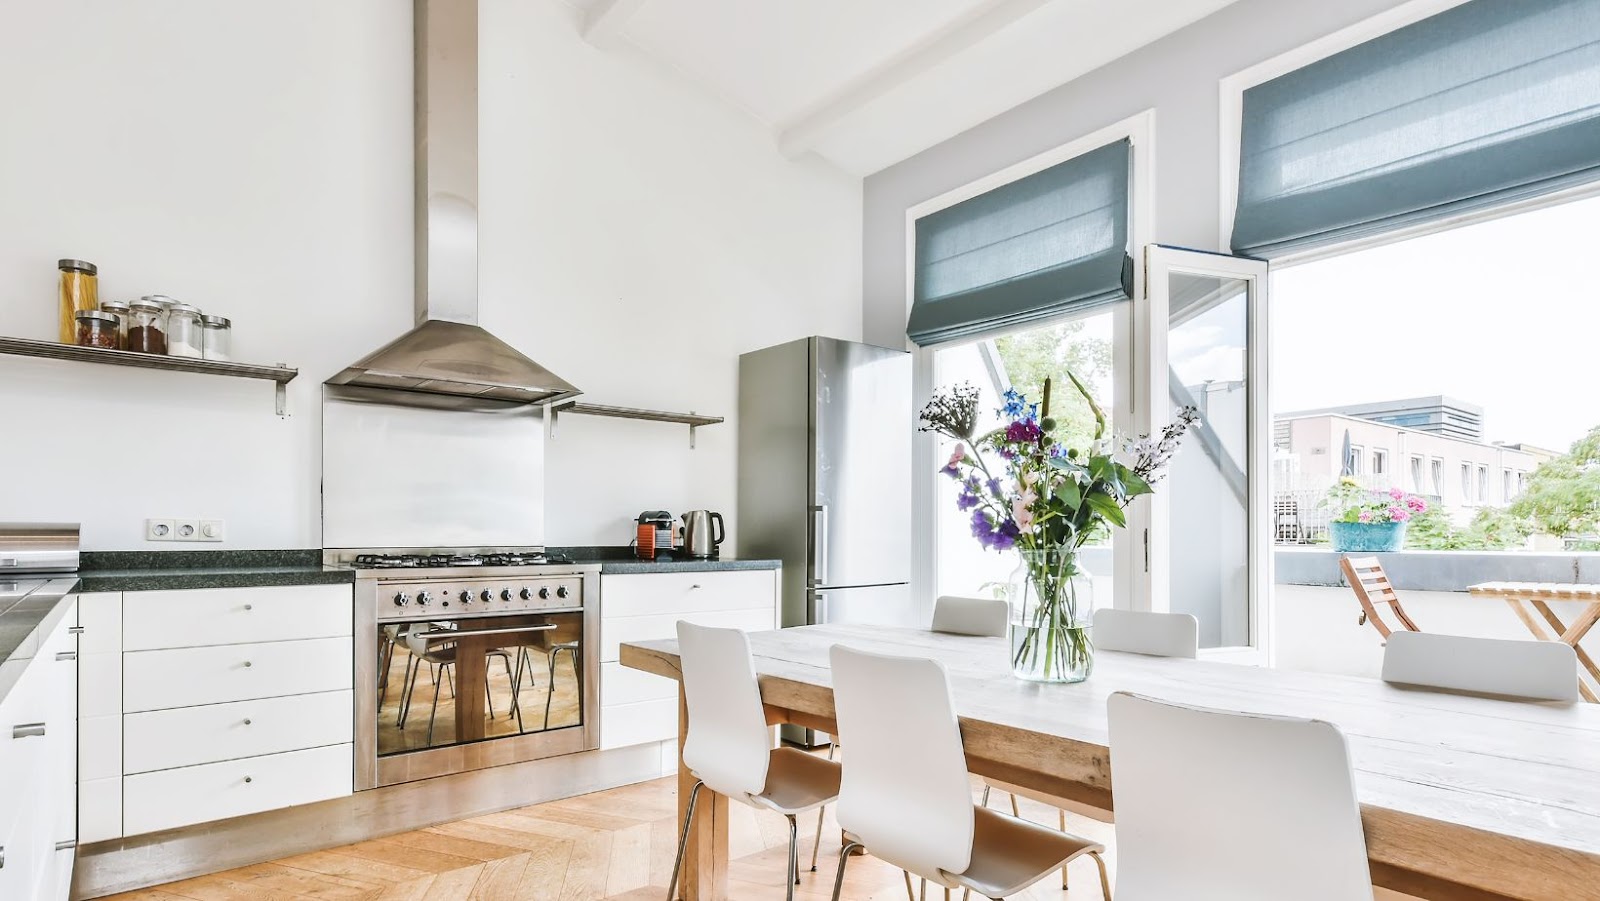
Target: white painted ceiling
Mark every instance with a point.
(867, 83)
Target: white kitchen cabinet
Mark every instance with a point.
(38, 747)
(212, 703)
(637, 707)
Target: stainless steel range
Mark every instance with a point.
(468, 659)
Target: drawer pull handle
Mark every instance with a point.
(248, 779)
(66, 655)
(28, 730)
(247, 721)
(247, 663)
(694, 587)
(2, 857)
(249, 606)
(75, 630)
(69, 843)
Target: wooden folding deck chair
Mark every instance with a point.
(1371, 585)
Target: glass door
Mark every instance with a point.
(1214, 530)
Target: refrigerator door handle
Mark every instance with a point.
(818, 614)
(819, 544)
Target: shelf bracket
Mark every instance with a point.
(280, 398)
(693, 420)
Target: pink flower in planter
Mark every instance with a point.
(1396, 493)
(1417, 504)
(1399, 514)
(1364, 516)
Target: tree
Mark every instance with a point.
(1032, 356)
(1563, 495)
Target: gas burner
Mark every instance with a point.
(444, 561)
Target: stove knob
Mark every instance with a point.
(466, 597)
(487, 595)
(544, 592)
(526, 594)
(424, 598)
(402, 599)
(505, 594)
(561, 592)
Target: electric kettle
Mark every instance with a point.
(699, 538)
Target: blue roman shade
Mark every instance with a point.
(1489, 102)
(1053, 242)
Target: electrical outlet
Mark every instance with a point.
(213, 530)
(158, 530)
(186, 530)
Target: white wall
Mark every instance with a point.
(1177, 76)
(255, 158)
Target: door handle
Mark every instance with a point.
(819, 544)
(66, 655)
(27, 730)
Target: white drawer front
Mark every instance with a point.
(187, 736)
(186, 619)
(100, 614)
(187, 677)
(635, 724)
(100, 685)
(99, 810)
(215, 791)
(100, 747)
(652, 593)
(614, 632)
(621, 685)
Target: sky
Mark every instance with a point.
(1502, 314)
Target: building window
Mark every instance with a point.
(1483, 484)
(1416, 475)
(1358, 461)
(1438, 477)
(1505, 486)
(1380, 462)
(1466, 483)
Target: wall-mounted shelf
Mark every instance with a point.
(279, 375)
(692, 420)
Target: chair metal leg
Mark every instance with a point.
(794, 857)
(516, 701)
(1014, 811)
(385, 661)
(550, 689)
(414, 668)
(1061, 816)
(434, 713)
(683, 840)
(844, 857)
(821, 812)
(1105, 884)
(911, 894)
(922, 890)
(986, 789)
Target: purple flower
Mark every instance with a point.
(994, 487)
(966, 501)
(1023, 432)
(951, 470)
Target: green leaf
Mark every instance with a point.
(1070, 494)
(1106, 506)
(1132, 484)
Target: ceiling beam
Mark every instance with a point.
(603, 23)
(802, 135)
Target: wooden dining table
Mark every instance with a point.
(1461, 797)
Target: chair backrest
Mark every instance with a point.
(1144, 632)
(1220, 806)
(728, 744)
(1535, 670)
(1371, 585)
(905, 791)
(971, 616)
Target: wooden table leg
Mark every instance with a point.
(471, 675)
(705, 856)
(1561, 630)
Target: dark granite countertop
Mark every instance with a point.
(25, 621)
(621, 561)
(167, 570)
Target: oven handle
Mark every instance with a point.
(456, 634)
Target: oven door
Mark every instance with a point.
(453, 695)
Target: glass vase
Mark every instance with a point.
(1052, 606)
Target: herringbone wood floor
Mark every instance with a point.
(615, 845)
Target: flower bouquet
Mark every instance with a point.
(1046, 501)
(1366, 520)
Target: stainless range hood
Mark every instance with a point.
(448, 353)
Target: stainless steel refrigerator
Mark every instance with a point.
(825, 430)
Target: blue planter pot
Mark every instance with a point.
(1367, 536)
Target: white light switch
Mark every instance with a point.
(213, 530)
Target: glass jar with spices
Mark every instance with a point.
(79, 290)
(96, 329)
(219, 338)
(184, 337)
(119, 309)
(147, 327)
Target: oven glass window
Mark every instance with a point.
(454, 682)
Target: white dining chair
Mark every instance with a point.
(1527, 669)
(1220, 806)
(728, 747)
(1145, 632)
(906, 795)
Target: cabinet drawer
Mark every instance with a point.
(186, 619)
(635, 724)
(215, 791)
(187, 677)
(187, 736)
(621, 685)
(99, 810)
(613, 632)
(646, 594)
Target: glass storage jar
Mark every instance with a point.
(96, 329)
(147, 327)
(119, 309)
(218, 338)
(184, 337)
(79, 290)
